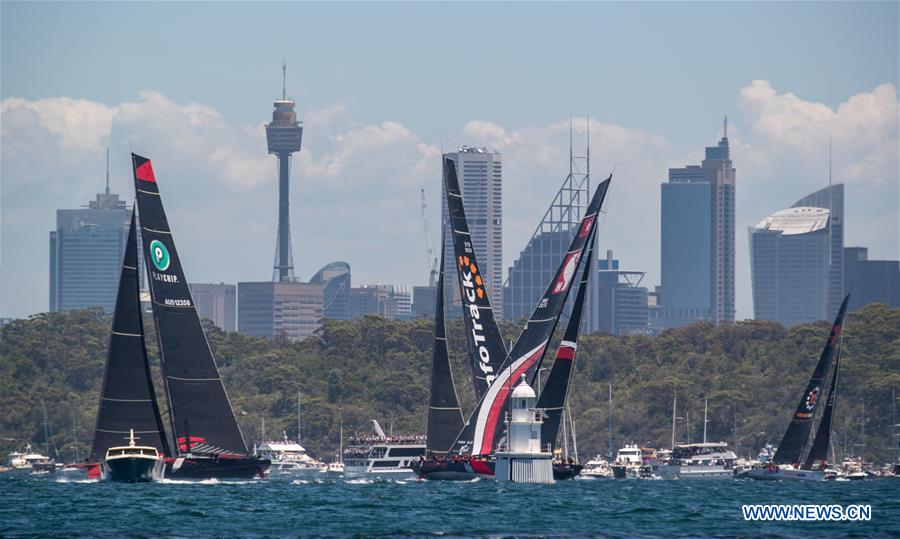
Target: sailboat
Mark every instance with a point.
(208, 441)
(128, 404)
(487, 349)
(788, 462)
(471, 454)
(553, 398)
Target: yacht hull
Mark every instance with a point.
(460, 470)
(216, 467)
(695, 472)
(132, 470)
(563, 471)
(766, 474)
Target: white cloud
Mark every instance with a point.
(355, 187)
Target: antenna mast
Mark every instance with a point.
(107, 171)
(284, 80)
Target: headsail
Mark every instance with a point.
(445, 418)
(482, 430)
(818, 453)
(127, 398)
(552, 400)
(487, 351)
(198, 404)
(792, 445)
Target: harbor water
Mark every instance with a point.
(48, 506)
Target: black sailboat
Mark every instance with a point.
(788, 461)
(128, 404)
(445, 417)
(482, 433)
(817, 458)
(487, 350)
(208, 441)
(552, 400)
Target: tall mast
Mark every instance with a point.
(46, 430)
(705, 420)
(674, 403)
(574, 434)
(609, 428)
(299, 425)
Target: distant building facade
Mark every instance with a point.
(789, 264)
(480, 175)
(870, 281)
(289, 309)
(86, 252)
(216, 302)
(622, 306)
(335, 277)
(832, 199)
(423, 299)
(697, 240)
(382, 300)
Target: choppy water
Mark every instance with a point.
(281, 507)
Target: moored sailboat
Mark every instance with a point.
(208, 441)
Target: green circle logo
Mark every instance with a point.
(159, 255)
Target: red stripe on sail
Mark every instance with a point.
(497, 406)
(145, 172)
(565, 352)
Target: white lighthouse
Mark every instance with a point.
(523, 461)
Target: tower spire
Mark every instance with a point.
(284, 80)
(725, 127)
(107, 171)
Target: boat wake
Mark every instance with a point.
(75, 481)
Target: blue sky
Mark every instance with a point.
(383, 86)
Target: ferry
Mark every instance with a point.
(381, 455)
(287, 456)
(699, 461)
(29, 460)
(635, 462)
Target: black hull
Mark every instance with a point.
(563, 471)
(619, 472)
(216, 467)
(133, 470)
(449, 470)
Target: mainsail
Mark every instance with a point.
(818, 453)
(552, 400)
(481, 432)
(792, 445)
(199, 409)
(127, 398)
(487, 351)
(445, 418)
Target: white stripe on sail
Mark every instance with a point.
(491, 395)
(570, 344)
(126, 334)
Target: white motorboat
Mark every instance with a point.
(699, 461)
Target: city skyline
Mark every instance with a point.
(355, 192)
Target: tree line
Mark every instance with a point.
(751, 373)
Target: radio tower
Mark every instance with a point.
(283, 135)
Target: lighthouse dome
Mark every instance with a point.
(523, 390)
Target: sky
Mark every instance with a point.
(383, 88)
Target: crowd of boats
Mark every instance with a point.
(512, 434)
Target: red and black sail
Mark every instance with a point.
(797, 435)
(487, 351)
(198, 404)
(483, 430)
(445, 418)
(127, 398)
(552, 399)
(818, 453)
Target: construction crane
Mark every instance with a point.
(431, 260)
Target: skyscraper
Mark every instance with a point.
(832, 199)
(284, 135)
(789, 256)
(481, 183)
(86, 251)
(536, 265)
(697, 240)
